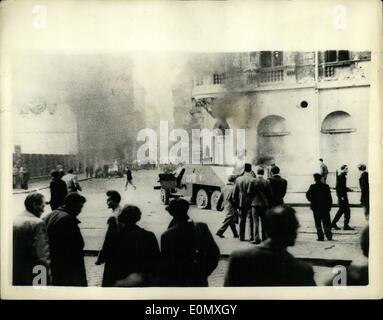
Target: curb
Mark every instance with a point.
(42, 188)
(313, 261)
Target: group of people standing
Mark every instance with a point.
(131, 254)
(319, 196)
(20, 177)
(60, 185)
(251, 195)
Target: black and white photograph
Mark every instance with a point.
(141, 168)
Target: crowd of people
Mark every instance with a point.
(250, 195)
(188, 253)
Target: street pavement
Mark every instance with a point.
(345, 246)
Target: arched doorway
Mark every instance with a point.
(336, 141)
(271, 147)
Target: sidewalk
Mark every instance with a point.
(294, 199)
(36, 186)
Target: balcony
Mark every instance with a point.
(351, 71)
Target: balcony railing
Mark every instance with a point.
(268, 76)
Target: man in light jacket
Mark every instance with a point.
(30, 243)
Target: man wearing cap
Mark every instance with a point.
(188, 250)
(226, 200)
(344, 206)
(270, 264)
(243, 201)
(365, 190)
(66, 243)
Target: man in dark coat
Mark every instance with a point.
(278, 187)
(270, 264)
(132, 250)
(58, 189)
(319, 195)
(242, 200)
(226, 201)
(189, 252)
(66, 243)
(365, 190)
(344, 206)
(113, 202)
(260, 194)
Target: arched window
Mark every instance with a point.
(337, 122)
(271, 146)
(272, 126)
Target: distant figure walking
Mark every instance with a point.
(66, 243)
(278, 187)
(270, 264)
(189, 252)
(226, 202)
(24, 177)
(260, 194)
(129, 178)
(58, 190)
(365, 190)
(323, 170)
(71, 181)
(319, 195)
(30, 242)
(242, 200)
(344, 206)
(87, 169)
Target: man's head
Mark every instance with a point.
(70, 170)
(113, 199)
(344, 169)
(365, 240)
(362, 167)
(231, 178)
(320, 160)
(317, 177)
(55, 174)
(73, 203)
(260, 172)
(275, 170)
(178, 208)
(35, 203)
(129, 215)
(247, 167)
(282, 225)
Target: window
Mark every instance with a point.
(218, 78)
(199, 82)
(253, 56)
(335, 56)
(271, 59)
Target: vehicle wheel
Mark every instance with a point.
(214, 199)
(202, 199)
(165, 196)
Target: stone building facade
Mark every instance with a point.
(296, 107)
